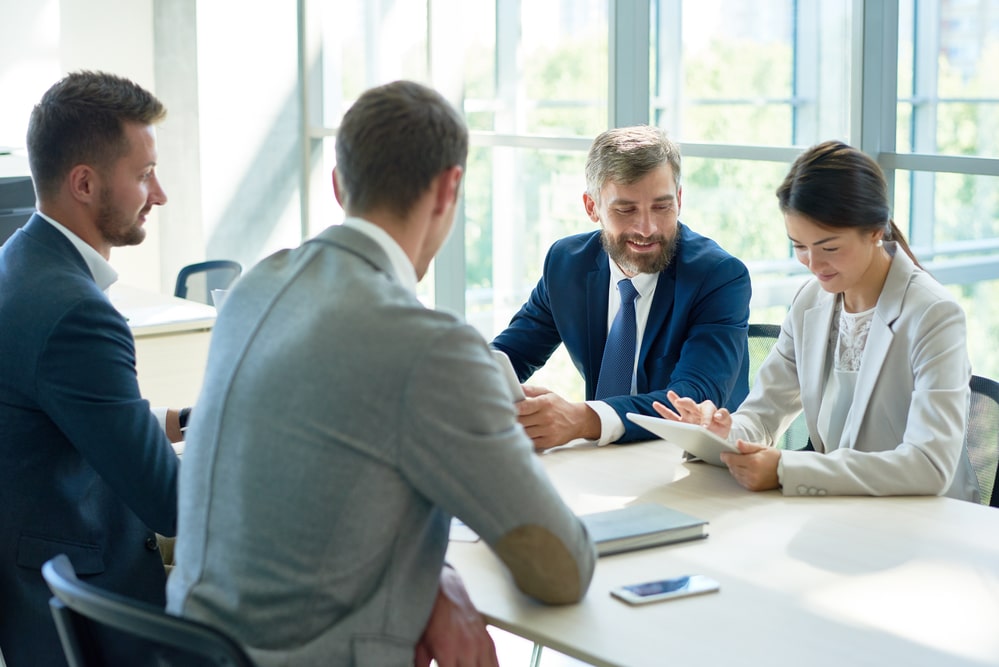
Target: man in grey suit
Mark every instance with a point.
(342, 424)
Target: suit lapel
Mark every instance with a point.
(879, 341)
(597, 286)
(816, 326)
(54, 241)
(662, 305)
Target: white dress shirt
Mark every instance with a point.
(104, 275)
(611, 426)
(401, 264)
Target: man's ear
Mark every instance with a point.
(679, 199)
(84, 183)
(591, 207)
(448, 185)
(336, 190)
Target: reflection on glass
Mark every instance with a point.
(517, 203)
(734, 202)
(366, 44)
(947, 77)
(772, 72)
(965, 210)
(980, 301)
(549, 75)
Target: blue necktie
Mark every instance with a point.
(618, 365)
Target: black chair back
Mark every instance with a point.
(196, 281)
(92, 623)
(983, 436)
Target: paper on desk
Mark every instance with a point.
(462, 533)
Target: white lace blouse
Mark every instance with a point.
(849, 338)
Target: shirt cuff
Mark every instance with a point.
(611, 426)
(160, 414)
(780, 470)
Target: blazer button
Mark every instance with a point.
(151, 544)
(802, 490)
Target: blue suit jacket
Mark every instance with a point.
(85, 469)
(695, 339)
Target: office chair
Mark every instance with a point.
(983, 436)
(762, 338)
(86, 616)
(196, 281)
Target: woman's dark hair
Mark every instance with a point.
(838, 186)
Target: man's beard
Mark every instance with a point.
(618, 251)
(113, 227)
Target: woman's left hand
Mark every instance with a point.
(755, 467)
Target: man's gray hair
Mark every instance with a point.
(626, 154)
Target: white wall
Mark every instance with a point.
(43, 40)
(230, 145)
(249, 118)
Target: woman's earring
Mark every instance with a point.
(880, 243)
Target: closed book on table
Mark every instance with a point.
(641, 526)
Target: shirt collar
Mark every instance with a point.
(103, 273)
(644, 283)
(402, 267)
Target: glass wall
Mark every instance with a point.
(743, 87)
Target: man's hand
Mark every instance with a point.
(455, 635)
(550, 420)
(173, 432)
(755, 468)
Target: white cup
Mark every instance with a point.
(219, 297)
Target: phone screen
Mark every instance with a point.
(659, 587)
(666, 589)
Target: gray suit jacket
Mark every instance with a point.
(905, 429)
(340, 426)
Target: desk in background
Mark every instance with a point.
(804, 581)
(171, 343)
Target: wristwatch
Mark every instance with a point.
(182, 417)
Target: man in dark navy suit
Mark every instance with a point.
(690, 309)
(86, 468)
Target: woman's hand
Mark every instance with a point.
(755, 467)
(718, 421)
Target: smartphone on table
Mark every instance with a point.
(666, 589)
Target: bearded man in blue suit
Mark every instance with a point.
(690, 315)
(86, 468)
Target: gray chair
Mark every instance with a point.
(89, 619)
(762, 338)
(983, 436)
(196, 281)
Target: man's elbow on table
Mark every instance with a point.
(544, 567)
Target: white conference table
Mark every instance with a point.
(171, 343)
(804, 581)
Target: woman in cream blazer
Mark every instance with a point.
(873, 350)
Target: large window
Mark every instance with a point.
(743, 87)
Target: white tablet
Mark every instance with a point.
(694, 438)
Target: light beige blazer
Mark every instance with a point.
(905, 431)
